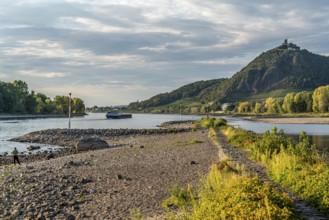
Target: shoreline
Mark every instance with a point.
(111, 182)
(66, 139)
(36, 116)
(288, 120)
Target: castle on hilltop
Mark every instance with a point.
(288, 46)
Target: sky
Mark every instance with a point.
(113, 52)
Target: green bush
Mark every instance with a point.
(228, 195)
(209, 122)
(269, 143)
(303, 174)
(239, 137)
(298, 167)
(180, 197)
(219, 122)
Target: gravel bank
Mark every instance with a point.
(108, 184)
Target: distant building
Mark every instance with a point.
(288, 46)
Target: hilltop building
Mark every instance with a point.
(288, 46)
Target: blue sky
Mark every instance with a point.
(110, 52)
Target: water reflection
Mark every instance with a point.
(318, 133)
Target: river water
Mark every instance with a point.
(14, 128)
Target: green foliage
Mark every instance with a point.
(297, 102)
(321, 99)
(238, 136)
(269, 143)
(180, 196)
(15, 98)
(245, 107)
(309, 180)
(226, 194)
(299, 167)
(209, 122)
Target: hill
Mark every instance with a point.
(274, 73)
(187, 92)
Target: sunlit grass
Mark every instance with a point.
(299, 167)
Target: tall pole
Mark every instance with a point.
(70, 103)
(180, 112)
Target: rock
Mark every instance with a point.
(193, 162)
(70, 217)
(86, 180)
(91, 143)
(33, 147)
(142, 146)
(119, 177)
(50, 156)
(41, 217)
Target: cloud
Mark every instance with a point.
(138, 48)
(38, 74)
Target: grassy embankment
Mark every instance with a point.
(299, 167)
(228, 193)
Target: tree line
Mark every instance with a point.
(301, 102)
(15, 98)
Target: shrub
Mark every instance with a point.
(239, 137)
(180, 197)
(299, 167)
(219, 122)
(210, 122)
(228, 195)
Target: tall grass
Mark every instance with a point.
(227, 194)
(299, 167)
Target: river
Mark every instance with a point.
(14, 128)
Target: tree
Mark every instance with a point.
(303, 102)
(244, 107)
(288, 103)
(78, 106)
(273, 106)
(31, 103)
(259, 108)
(20, 93)
(321, 99)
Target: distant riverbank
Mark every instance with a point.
(33, 116)
(289, 120)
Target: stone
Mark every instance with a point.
(70, 217)
(193, 162)
(41, 216)
(33, 147)
(119, 177)
(92, 143)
